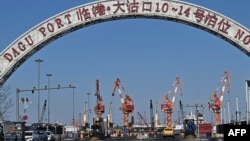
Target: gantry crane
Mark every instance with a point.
(168, 105)
(99, 107)
(127, 106)
(217, 102)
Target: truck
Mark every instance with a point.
(168, 132)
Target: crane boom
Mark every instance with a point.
(143, 119)
(43, 111)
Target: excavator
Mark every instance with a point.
(168, 106)
(217, 101)
(127, 106)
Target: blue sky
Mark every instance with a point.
(146, 54)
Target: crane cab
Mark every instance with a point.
(130, 108)
(100, 108)
(127, 108)
(165, 107)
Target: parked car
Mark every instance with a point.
(42, 135)
(31, 136)
(168, 132)
(50, 135)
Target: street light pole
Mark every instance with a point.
(17, 104)
(48, 75)
(38, 85)
(73, 106)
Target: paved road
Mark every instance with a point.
(158, 138)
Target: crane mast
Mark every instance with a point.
(109, 116)
(85, 115)
(99, 107)
(168, 105)
(151, 114)
(127, 106)
(217, 101)
(156, 118)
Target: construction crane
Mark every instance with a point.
(127, 106)
(43, 111)
(168, 105)
(217, 101)
(99, 107)
(152, 114)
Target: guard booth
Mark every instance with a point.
(12, 131)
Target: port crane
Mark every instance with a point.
(217, 101)
(127, 103)
(99, 107)
(168, 105)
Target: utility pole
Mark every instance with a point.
(48, 75)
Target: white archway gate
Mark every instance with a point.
(100, 11)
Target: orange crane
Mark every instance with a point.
(127, 106)
(216, 106)
(168, 105)
(99, 107)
